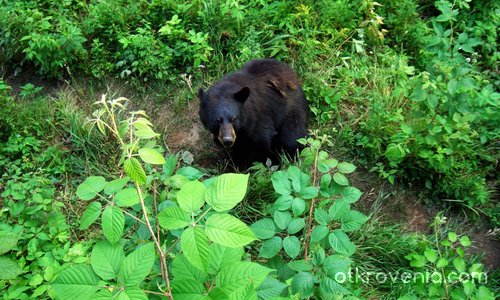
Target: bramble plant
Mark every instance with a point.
(445, 271)
(306, 240)
(189, 216)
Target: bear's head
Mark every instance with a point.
(222, 111)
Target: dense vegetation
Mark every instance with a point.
(95, 204)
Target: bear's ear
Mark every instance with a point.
(202, 95)
(242, 95)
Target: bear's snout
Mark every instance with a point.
(227, 135)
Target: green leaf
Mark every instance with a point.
(321, 216)
(300, 265)
(116, 185)
(291, 244)
(302, 284)
(296, 225)
(341, 243)
(284, 202)
(271, 247)
(232, 278)
(459, 264)
(353, 220)
(113, 223)
(134, 170)
(281, 183)
(151, 156)
(106, 259)
(339, 208)
(228, 231)
(319, 233)
(137, 265)
(169, 166)
(191, 196)
(90, 187)
(441, 263)
(452, 237)
(90, 215)
(127, 197)
(227, 191)
(270, 288)
(298, 206)
(194, 245)
(309, 192)
(340, 179)
(431, 255)
(132, 293)
(144, 131)
(221, 256)
(329, 286)
(465, 241)
(282, 219)
(264, 228)
(334, 264)
(346, 168)
(173, 218)
(351, 194)
(190, 172)
(182, 269)
(10, 268)
(76, 282)
(395, 152)
(294, 176)
(8, 240)
(187, 289)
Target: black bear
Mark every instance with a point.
(256, 112)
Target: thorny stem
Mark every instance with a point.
(311, 209)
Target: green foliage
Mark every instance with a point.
(306, 238)
(446, 272)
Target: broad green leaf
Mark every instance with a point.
(10, 269)
(346, 168)
(134, 170)
(294, 175)
(228, 231)
(431, 255)
(465, 241)
(341, 243)
(281, 183)
(270, 288)
(319, 233)
(264, 228)
(127, 197)
(330, 286)
(144, 131)
(90, 187)
(452, 237)
(298, 206)
(321, 216)
(8, 240)
(173, 218)
(282, 219)
(351, 194)
(309, 192)
(296, 225)
(187, 289)
(190, 172)
(221, 256)
(291, 244)
(339, 208)
(284, 202)
(194, 245)
(353, 220)
(169, 166)
(302, 284)
(132, 293)
(227, 191)
(191, 196)
(340, 179)
(395, 152)
(151, 156)
(271, 247)
(113, 223)
(182, 269)
(442, 262)
(137, 265)
(76, 282)
(106, 259)
(300, 265)
(417, 260)
(459, 264)
(116, 185)
(235, 276)
(334, 264)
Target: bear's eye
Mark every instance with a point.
(232, 120)
(219, 120)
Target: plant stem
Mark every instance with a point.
(311, 209)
